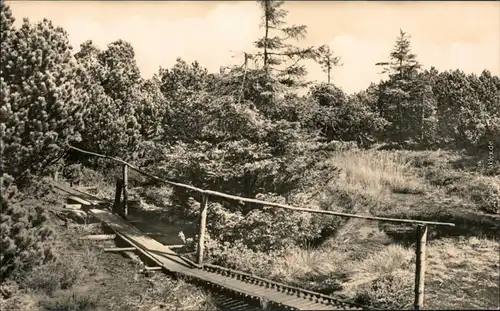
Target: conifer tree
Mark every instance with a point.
(327, 60)
(277, 55)
(42, 98)
(396, 101)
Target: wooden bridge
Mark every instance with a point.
(245, 285)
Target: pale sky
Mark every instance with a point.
(447, 35)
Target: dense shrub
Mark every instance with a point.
(339, 116)
(73, 302)
(53, 276)
(485, 191)
(42, 98)
(25, 239)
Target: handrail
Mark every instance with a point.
(255, 201)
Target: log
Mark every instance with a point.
(99, 237)
(73, 206)
(420, 266)
(146, 268)
(125, 191)
(203, 222)
(118, 194)
(76, 200)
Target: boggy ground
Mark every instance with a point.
(373, 262)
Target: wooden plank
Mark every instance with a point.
(138, 239)
(78, 193)
(76, 200)
(170, 266)
(99, 237)
(148, 247)
(253, 290)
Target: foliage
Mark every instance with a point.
(42, 99)
(397, 102)
(339, 116)
(73, 302)
(220, 142)
(52, 276)
(277, 56)
(327, 60)
(450, 109)
(25, 237)
(6, 29)
(264, 229)
(468, 108)
(485, 191)
(118, 93)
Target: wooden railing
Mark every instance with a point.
(120, 207)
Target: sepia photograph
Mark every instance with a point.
(249, 155)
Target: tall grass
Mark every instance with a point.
(376, 174)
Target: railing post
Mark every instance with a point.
(118, 195)
(420, 266)
(125, 191)
(201, 234)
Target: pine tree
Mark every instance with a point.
(118, 93)
(42, 99)
(403, 64)
(6, 28)
(397, 102)
(327, 60)
(468, 108)
(425, 107)
(279, 57)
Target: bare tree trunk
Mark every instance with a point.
(329, 69)
(422, 122)
(266, 56)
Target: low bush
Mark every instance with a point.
(70, 301)
(157, 196)
(25, 237)
(443, 177)
(383, 280)
(53, 276)
(485, 192)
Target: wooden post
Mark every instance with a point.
(125, 192)
(420, 267)
(203, 222)
(118, 195)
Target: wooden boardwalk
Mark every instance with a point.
(91, 199)
(172, 262)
